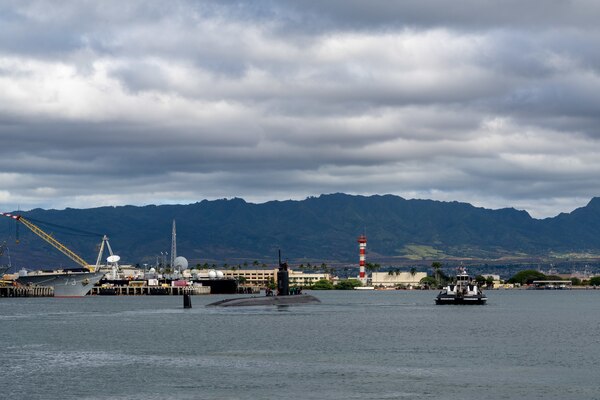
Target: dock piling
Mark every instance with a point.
(187, 301)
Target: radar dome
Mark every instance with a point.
(220, 274)
(212, 274)
(181, 263)
(152, 270)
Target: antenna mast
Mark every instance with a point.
(173, 246)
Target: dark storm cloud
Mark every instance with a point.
(384, 14)
(494, 103)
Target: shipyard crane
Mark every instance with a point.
(48, 238)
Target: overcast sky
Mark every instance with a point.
(495, 103)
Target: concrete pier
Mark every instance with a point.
(248, 289)
(149, 290)
(26, 291)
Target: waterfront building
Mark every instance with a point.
(497, 282)
(386, 279)
(262, 277)
(300, 278)
(253, 277)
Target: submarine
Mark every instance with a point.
(283, 297)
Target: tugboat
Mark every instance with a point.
(464, 291)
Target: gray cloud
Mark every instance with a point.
(465, 14)
(494, 103)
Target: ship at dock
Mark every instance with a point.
(65, 282)
(463, 291)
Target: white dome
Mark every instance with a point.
(23, 272)
(181, 263)
(212, 274)
(152, 270)
(220, 274)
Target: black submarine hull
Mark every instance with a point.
(267, 301)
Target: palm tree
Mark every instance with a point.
(413, 272)
(437, 266)
(372, 267)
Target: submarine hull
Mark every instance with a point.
(267, 301)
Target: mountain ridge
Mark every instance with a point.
(316, 229)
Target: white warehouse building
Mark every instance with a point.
(402, 278)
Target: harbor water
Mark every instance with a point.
(355, 345)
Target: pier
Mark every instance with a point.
(552, 285)
(149, 290)
(26, 291)
(248, 290)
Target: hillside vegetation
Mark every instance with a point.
(319, 229)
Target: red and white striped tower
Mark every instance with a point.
(362, 246)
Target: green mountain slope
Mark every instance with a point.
(319, 229)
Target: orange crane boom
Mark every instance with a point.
(48, 238)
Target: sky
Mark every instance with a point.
(494, 103)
